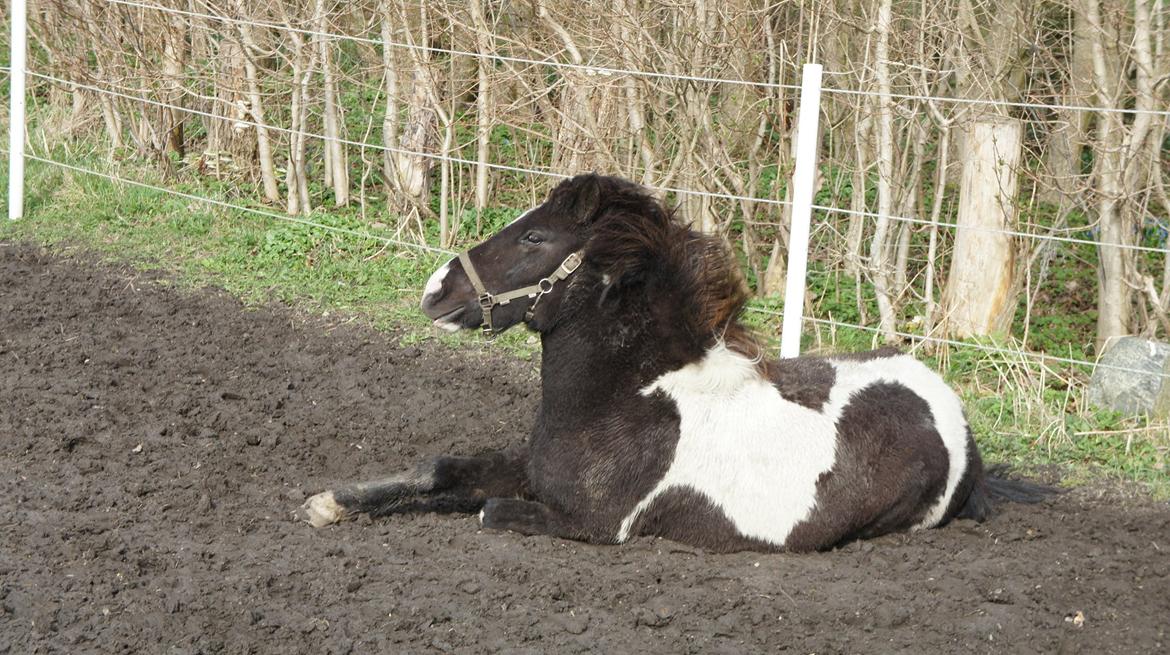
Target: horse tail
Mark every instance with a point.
(1003, 489)
(996, 488)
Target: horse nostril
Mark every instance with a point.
(430, 303)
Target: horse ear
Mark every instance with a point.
(588, 198)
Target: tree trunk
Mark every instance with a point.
(256, 110)
(483, 117)
(174, 58)
(412, 165)
(336, 166)
(390, 73)
(1067, 139)
(297, 177)
(980, 296)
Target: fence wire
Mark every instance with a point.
(552, 63)
(386, 148)
(1016, 353)
(999, 103)
(561, 176)
(243, 208)
(603, 71)
(610, 71)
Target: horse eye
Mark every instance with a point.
(533, 238)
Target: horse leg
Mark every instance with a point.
(531, 518)
(442, 484)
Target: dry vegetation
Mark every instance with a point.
(420, 135)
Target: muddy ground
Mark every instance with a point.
(154, 442)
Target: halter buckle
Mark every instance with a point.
(486, 302)
(571, 263)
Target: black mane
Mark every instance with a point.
(636, 238)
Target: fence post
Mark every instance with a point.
(19, 42)
(803, 178)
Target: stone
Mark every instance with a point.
(1131, 377)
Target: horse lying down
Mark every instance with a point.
(660, 414)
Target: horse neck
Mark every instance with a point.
(591, 360)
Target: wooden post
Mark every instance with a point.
(980, 297)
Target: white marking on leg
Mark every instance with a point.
(322, 510)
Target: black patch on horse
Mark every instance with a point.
(887, 423)
(687, 516)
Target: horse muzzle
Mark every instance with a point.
(489, 301)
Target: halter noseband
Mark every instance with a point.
(488, 301)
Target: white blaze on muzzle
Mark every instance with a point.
(435, 282)
(488, 301)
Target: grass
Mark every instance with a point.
(1028, 415)
(255, 257)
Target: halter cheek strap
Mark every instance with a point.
(488, 301)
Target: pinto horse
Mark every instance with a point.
(660, 414)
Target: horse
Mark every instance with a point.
(660, 414)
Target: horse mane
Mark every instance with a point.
(635, 236)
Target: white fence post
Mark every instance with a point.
(19, 42)
(803, 178)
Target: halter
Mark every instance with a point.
(488, 301)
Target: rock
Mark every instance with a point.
(574, 624)
(655, 613)
(468, 587)
(1115, 385)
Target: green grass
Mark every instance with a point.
(1028, 416)
(255, 257)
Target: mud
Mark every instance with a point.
(154, 442)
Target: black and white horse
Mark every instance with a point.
(659, 413)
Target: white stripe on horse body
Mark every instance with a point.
(728, 446)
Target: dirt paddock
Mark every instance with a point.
(154, 442)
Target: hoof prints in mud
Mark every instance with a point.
(156, 442)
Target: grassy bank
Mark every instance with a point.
(1025, 414)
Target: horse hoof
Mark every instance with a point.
(321, 510)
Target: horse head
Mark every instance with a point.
(520, 274)
(640, 264)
